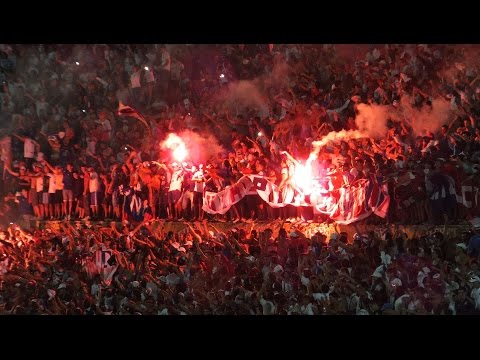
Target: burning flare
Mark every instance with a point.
(176, 144)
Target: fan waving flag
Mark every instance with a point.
(126, 110)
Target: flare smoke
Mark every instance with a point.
(199, 148)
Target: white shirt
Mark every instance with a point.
(450, 287)
(420, 277)
(59, 181)
(29, 148)
(105, 124)
(128, 64)
(294, 309)
(149, 76)
(307, 309)
(91, 144)
(287, 287)
(135, 79)
(321, 296)
(137, 58)
(199, 186)
(154, 287)
(399, 301)
(475, 295)
(305, 281)
(151, 56)
(268, 307)
(39, 184)
(412, 306)
(176, 181)
(386, 259)
(93, 184)
(166, 61)
(353, 302)
(94, 290)
(176, 68)
(163, 312)
(172, 279)
(41, 105)
(52, 187)
(35, 87)
(123, 95)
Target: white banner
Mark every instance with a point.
(221, 202)
(343, 205)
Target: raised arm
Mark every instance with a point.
(256, 145)
(192, 231)
(21, 138)
(290, 157)
(28, 95)
(50, 167)
(100, 162)
(163, 166)
(129, 162)
(13, 173)
(139, 226)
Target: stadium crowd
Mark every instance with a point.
(66, 153)
(86, 269)
(59, 105)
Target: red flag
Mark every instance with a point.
(357, 202)
(126, 110)
(383, 203)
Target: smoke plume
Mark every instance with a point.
(335, 136)
(427, 118)
(241, 96)
(372, 119)
(200, 148)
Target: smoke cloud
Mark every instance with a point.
(200, 148)
(428, 118)
(335, 136)
(372, 119)
(244, 95)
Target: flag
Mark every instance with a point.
(352, 204)
(270, 193)
(103, 266)
(358, 201)
(126, 110)
(221, 202)
(344, 205)
(466, 192)
(382, 201)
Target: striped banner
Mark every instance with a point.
(344, 205)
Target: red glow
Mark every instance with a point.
(176, 144)
(304, 176)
